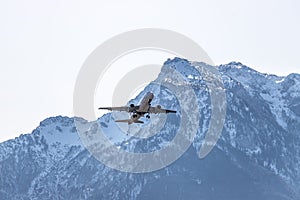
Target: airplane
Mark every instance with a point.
(140, 110)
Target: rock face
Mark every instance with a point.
(257, 156)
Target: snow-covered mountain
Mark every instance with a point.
(256, 157)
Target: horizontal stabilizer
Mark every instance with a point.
(138, 121)
(129, 121)
(170, 111)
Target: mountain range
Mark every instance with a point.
(256, 157)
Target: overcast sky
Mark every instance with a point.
(44, 43)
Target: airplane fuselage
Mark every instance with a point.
(143, 108)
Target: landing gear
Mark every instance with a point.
(148, 116)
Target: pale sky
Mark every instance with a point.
(44, 43)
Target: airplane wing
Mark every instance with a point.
(158, 109)
(122, 108)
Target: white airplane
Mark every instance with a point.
(140, 110)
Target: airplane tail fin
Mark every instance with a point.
(129, 121)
